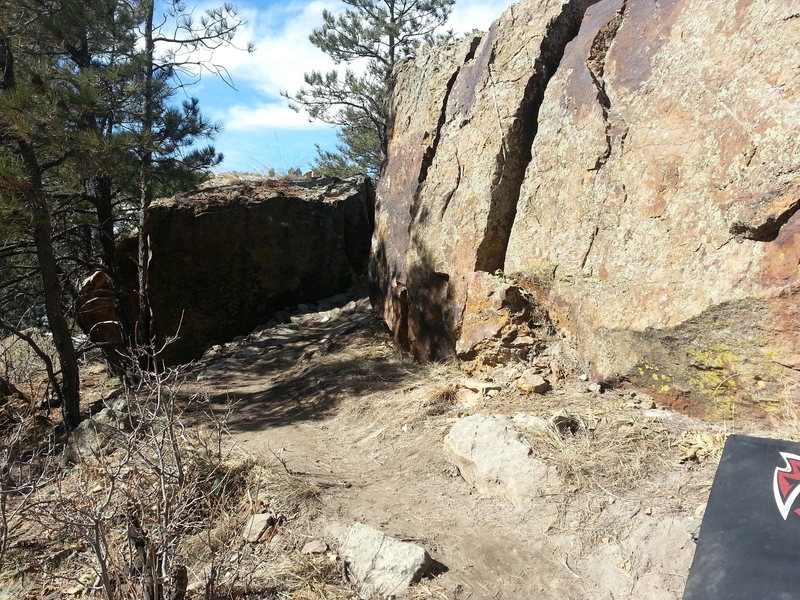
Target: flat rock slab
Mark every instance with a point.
(496, 458)
(381, 564)
(257, 525)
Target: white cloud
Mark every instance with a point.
(267, 116)
(283, 54)
(475, 14)
(282, 50)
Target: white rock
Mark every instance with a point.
(497, 459)
(382, 565)
(256, 526)
(314, 547)
(469, 398)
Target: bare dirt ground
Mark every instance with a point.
(326, 396)
(325, 399)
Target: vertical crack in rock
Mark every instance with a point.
(589, 249)
(515, 153)
(452, 192)
(430, 152)
(596, 64)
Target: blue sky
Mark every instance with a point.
(260, 131)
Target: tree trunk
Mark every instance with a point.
(103, 198)
(53, 297)
(146, 176)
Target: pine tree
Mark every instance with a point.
(166, 132)
(375, 34)
(89, 133)
(38, 106)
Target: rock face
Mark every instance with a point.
(226, 258)
(494, 457)
(632, 165)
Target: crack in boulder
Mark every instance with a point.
(516, 152)
(763, 219)
(768, 230)
(430, 152)
(596, 63)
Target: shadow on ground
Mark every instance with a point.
(312, 392)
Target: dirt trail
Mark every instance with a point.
(326, 396)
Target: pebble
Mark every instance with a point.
(314, 547)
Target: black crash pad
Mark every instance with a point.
(749, 543)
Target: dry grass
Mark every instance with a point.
(701, 445)
(787, 417)
(606, 455)
(279, 490)
(224, 487)
(424, 591)
(441, 399)
(304, 577)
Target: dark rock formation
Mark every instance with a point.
(226, 258)
(631, 165)
(97, 313)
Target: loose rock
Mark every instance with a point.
(314, 547)
(97, 436)
(381, 564)
(532, 383)
(497, 459)
(258, 525)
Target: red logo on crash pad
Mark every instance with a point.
(786, 484)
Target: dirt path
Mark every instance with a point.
(326, 396)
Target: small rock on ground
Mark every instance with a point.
(314, 547)
(257, 525)
(532, 383)
(381, 564)
(496, 458)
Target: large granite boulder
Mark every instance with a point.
(224, 259)
(632, 165)
(227, 257)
